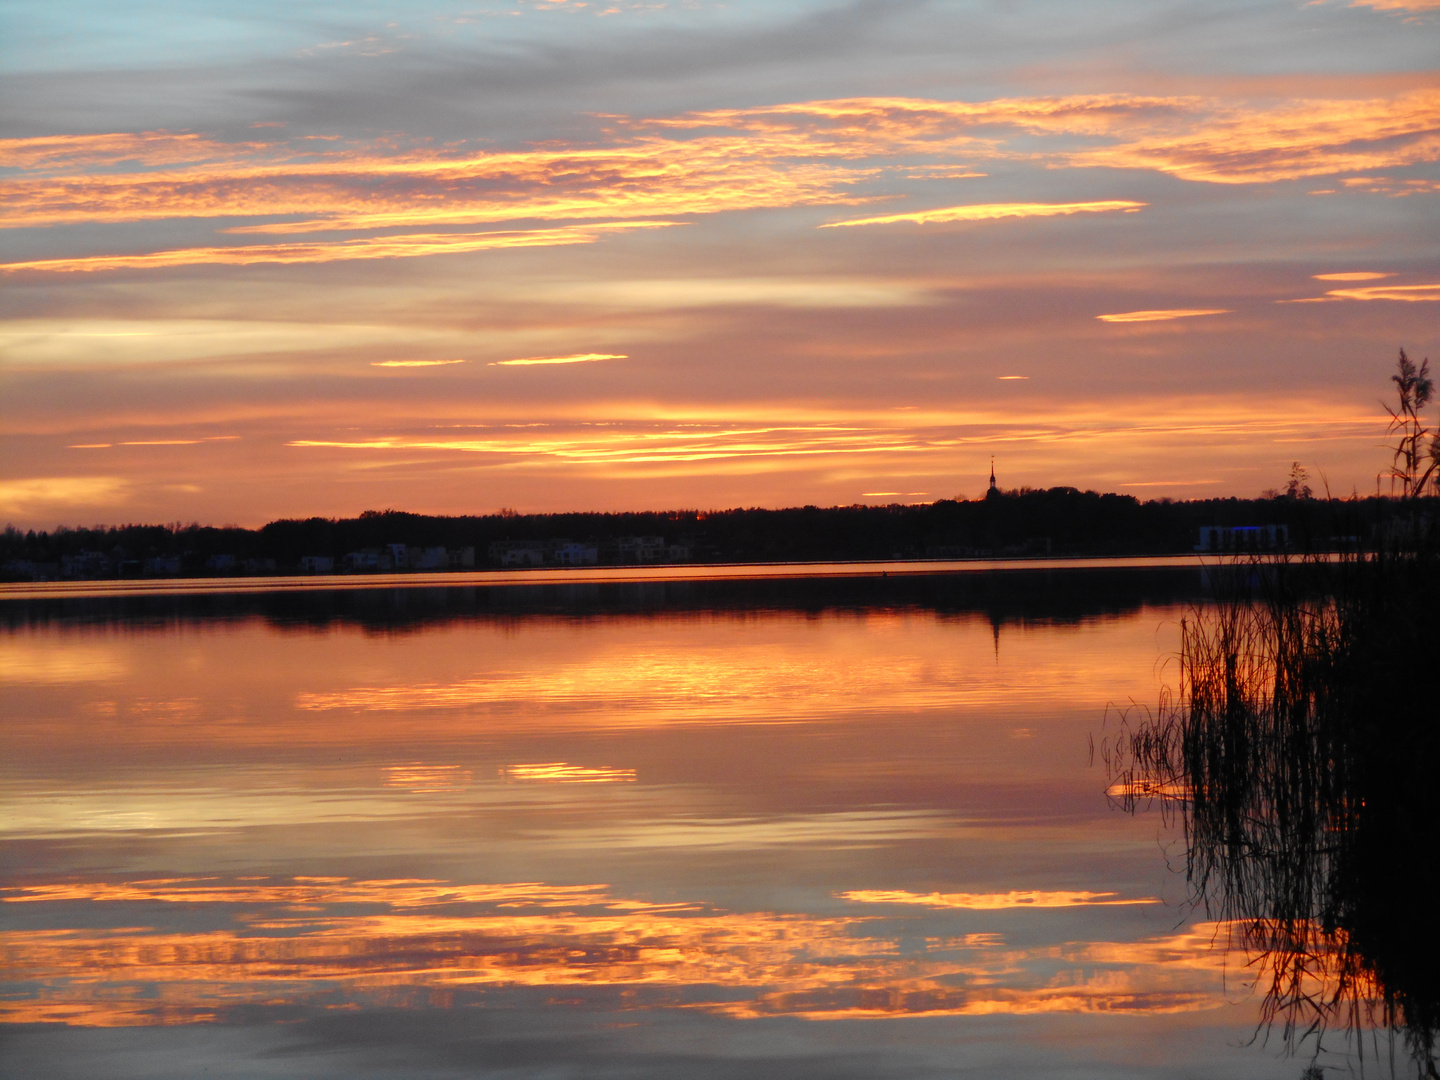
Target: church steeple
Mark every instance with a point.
(994, 492)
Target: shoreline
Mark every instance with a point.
(59, 590)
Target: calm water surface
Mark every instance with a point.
(687, 829)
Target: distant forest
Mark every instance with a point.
(1029, 522)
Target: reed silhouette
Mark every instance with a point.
(1300, 752)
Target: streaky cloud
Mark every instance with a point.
(1406, 293)
(1161, 315)
(577, 358)
(414, 363)
(408, 246)
(1390, 292)
(1407, 6)
(992, 212)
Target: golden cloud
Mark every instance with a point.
(802, 154)
(51, 493)
(1195, 138)
(577, 358)
(992, 212)
(63, 153)
(1398, 5)
(1407, 293)
(382, 247)
(1389, 292)
(1240, 144)
(1162, 315)
(414, 363)
(637, 438)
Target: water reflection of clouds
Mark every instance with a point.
(1032, 898)
(651, 821)
(334, 942)
(61, 660)
(802, 816)
(543, 675)
(689, 681)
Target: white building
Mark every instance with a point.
(641, 549)
(1243, 538)
(570, 553)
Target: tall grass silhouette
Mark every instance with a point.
(1301, 753)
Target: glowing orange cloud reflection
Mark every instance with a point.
(562, 773)
(993, 901)
(302, 942)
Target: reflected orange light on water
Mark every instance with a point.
(397, 893)
(562, 773)
(538, 679)
(293, 942)
(766, 790)
(993, 901)
(897, 666)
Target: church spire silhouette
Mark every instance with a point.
(994, 492)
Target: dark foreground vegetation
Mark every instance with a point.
(1054, 521)
(1301, 754)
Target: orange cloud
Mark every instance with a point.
(637, 439)
(56, 493)
(1389, 292)
(660, 447)
(383, 247)
(1353, 275)
(1194, 138)
(1240, 144)
(1162, 315)
(59, 153)
(808, 153)
(1398, 5)
(414, 363)
(647, 176)
(577, 358)
(991, 212)
(1396, 188)
(1408, 293)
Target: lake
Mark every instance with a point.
(794, 826)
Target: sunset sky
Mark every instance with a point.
(270, 259)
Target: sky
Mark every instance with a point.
(271, 260)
